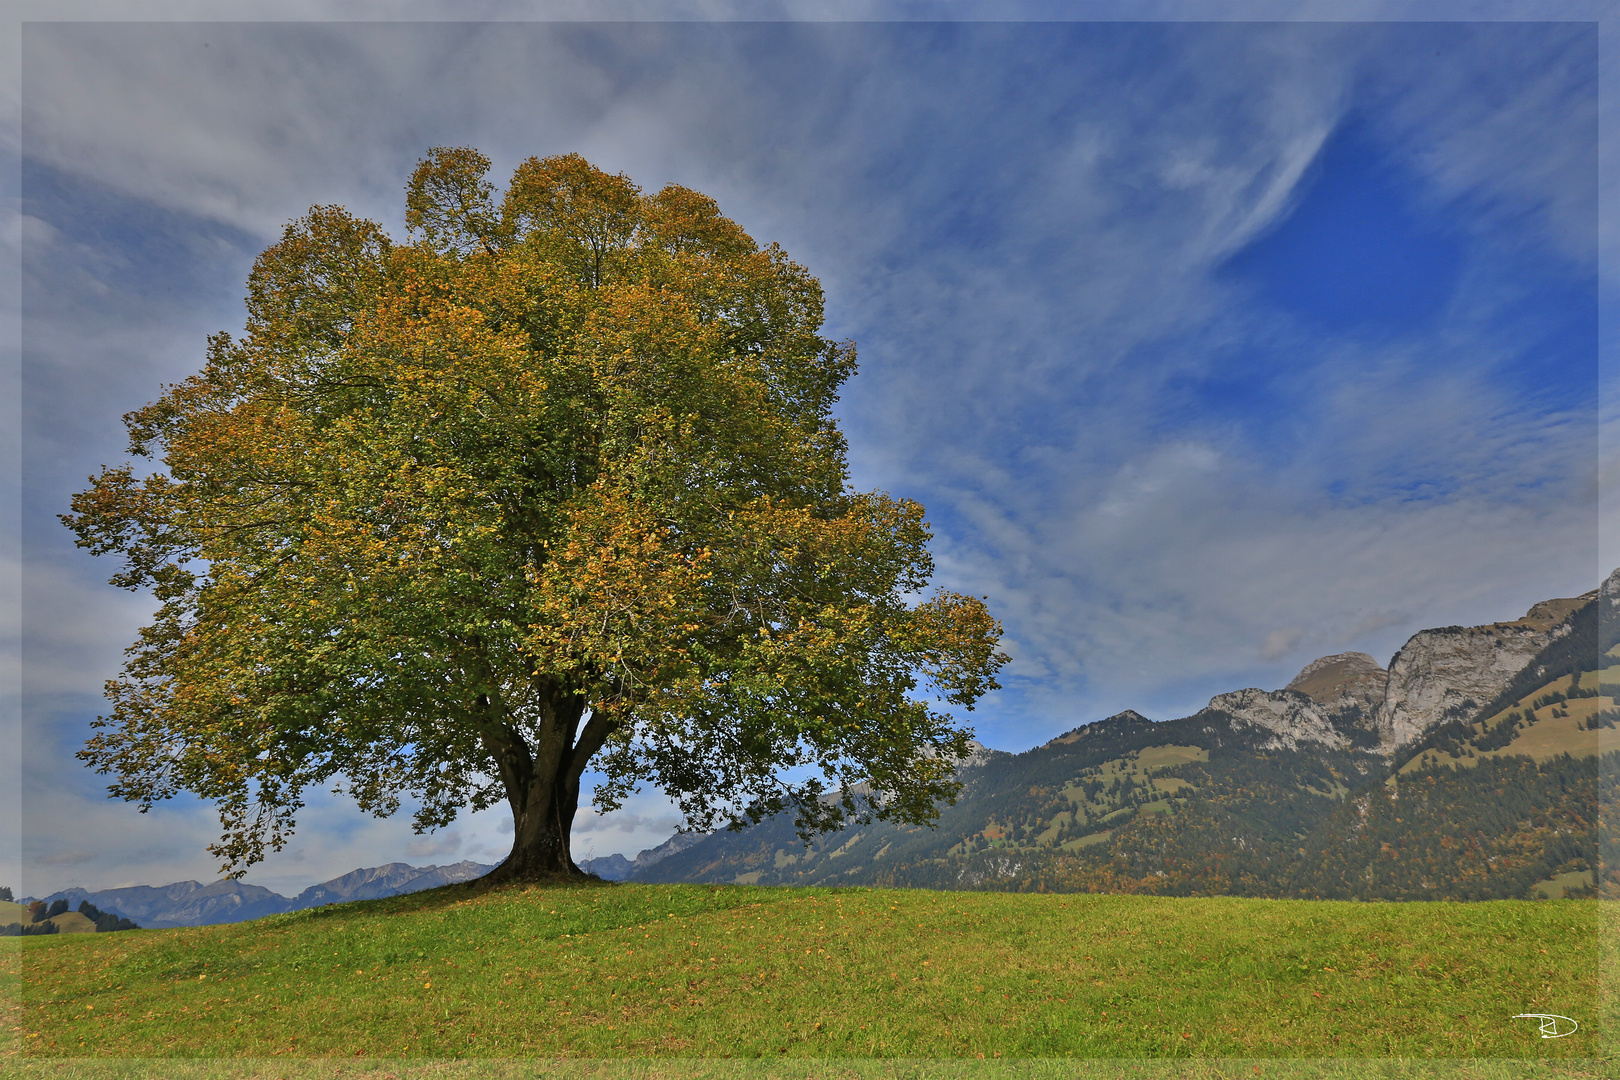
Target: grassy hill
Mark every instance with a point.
(1538, 728)
(638, 971)
(69, 922)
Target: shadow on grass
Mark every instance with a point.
(435, 899)
(693, 899)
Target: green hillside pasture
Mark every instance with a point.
(710, 972)
(1552, 735)
(69, 922)
(73, 922)
(1553, 888)
(1155, 757)
(1140, 766)
(1088, 840)
(1544, 740)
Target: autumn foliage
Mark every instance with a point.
(555, 482)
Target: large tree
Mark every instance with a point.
(554, 483)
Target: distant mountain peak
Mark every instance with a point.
(191, 903)
(1323, 678)
(617, 868)
(1348, 687)
(1128, 718)
(613, 867)
(978, 754)
(1261, 792)
(674, 845)
(1549, 613)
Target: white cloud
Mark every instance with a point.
(1487, 92)
(34, 233)
(1024, 254)
(439, 844)
(77, 630)
(1280, 643)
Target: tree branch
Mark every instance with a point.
(596, 733)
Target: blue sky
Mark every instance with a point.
(1210, 347)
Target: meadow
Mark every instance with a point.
(738, 981)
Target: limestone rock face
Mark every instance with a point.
(1348, 686)
(1439, 675)
(1609, 612)
(675, 844)
(978, 755)
(1445, 674)
(1289, 716)
(374, 882)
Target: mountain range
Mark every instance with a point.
(1465, 769)
(191, 903)
(619, 868)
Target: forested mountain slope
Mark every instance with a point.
(1467, 770)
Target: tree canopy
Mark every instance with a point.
(554, 483)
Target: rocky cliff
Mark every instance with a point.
(1287, 716)
(1333, 702)
(1348, 686)
(674, 845)
(392, 879)
(1450, 673)
(1439, 675)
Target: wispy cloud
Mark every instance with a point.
(439, 845)
(1050, 244)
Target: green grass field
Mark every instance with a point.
(745, 982)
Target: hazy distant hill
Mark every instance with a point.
(17, 920)
(389, 880)
(1467, 769)
(191, 903)
(608, 867)
(618, 868)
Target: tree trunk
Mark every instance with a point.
(542, 788)
(541, 826)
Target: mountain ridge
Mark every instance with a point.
(1232, 797)
(191, 903)
(1332, 732)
